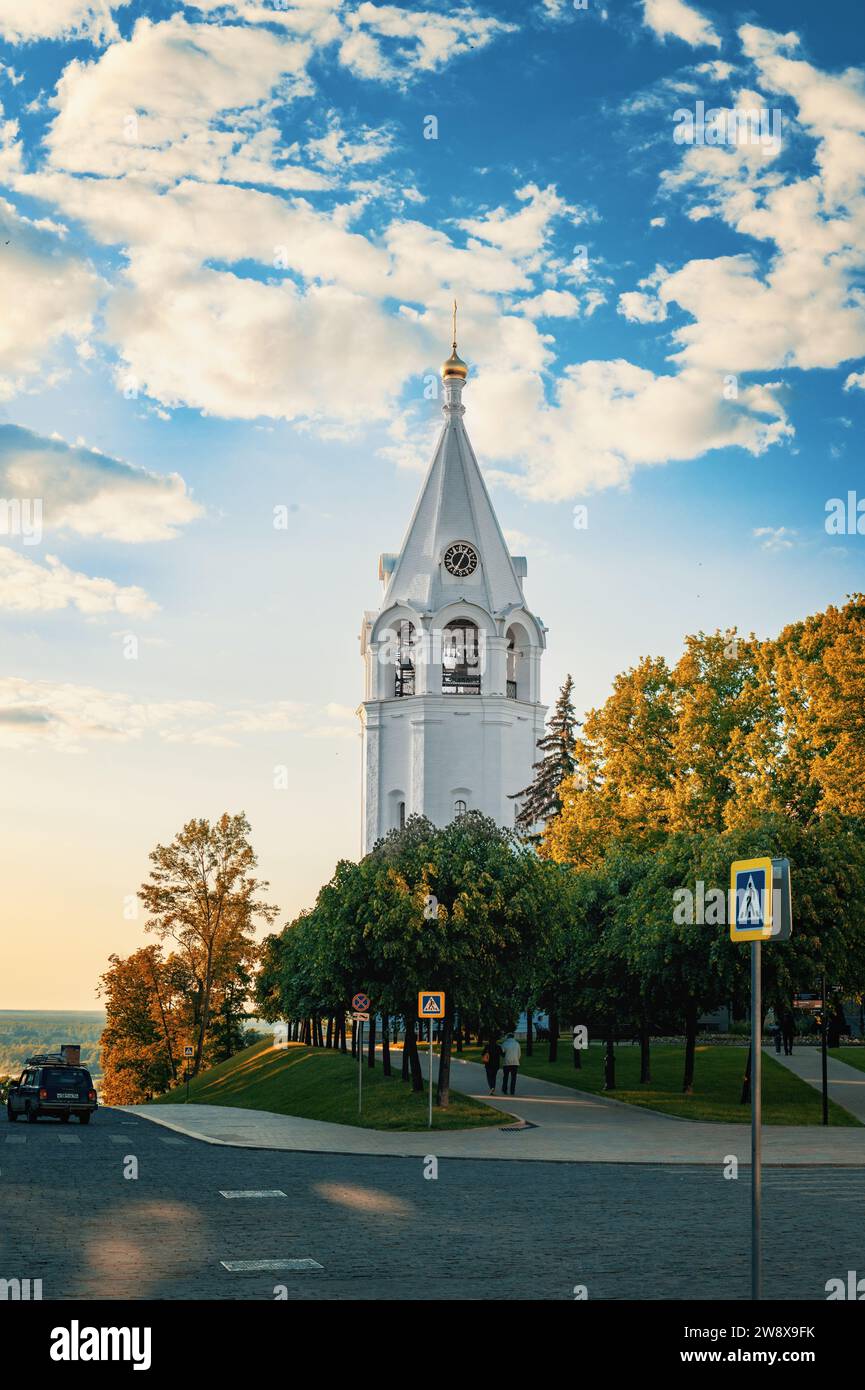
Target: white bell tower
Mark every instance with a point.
(451, 714)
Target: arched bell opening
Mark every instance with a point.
(404, 640)
(461, 661)
(519, 664)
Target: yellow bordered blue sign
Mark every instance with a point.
(431, 1003)
(751, 899)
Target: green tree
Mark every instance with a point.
(541, 799)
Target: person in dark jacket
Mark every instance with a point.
(788, 1032)
(492, 1059)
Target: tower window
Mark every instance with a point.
(402, 815)
(460, 809)
(461, 667)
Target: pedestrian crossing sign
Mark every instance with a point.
(751, 900)
(431, 1003)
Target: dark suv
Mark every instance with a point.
(50, 1086)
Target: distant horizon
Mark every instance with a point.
(42, 1012)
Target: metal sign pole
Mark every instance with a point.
(359, 1041)
(823, 1054)
(430, 1073)
(756, 1116)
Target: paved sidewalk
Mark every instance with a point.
(570, 1126)
(846, 1084)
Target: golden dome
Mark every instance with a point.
(454, 366)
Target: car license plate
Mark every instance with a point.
(67, 1095)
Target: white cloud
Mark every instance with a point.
(609, 418)
(673, 18)
(805, 308)
(856, 380)
(181, 100)
(71, 717)
(639, 307)
(775, 537)
(90, 493)
(220, 343)
(526, 232)
(26, 21)
(369, 146)
(28, 587)
(387, 43)
(47, 295)
(553, 304)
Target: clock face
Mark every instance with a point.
(460, 559)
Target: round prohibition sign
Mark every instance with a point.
(360, 1003)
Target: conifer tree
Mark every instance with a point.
(541, 800)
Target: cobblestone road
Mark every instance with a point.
(379, 1229)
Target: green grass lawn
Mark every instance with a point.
(318, 1084)
(718, 1076)
(853, 1056)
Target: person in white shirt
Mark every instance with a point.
(510, 1062)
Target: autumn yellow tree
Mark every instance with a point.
(204, 895)
(146, 1005)
(738, 728)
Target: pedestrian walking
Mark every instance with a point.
(788, 1031)
(492, 1060)
(510, 1062)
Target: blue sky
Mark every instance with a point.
(227, 259)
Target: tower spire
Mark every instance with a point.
(455, 368)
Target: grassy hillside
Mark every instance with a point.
(317, 1084)
(853, 1056)
(787, 1100)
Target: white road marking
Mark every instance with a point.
(16, 1138)
(69, 1139)
(241, 1266)
(118, 1138)
(172, 1141)
(263, 1192)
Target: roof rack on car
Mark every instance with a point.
(46, 1059)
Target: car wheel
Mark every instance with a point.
(84, 1119)
(10, 1114)
(32, 1116)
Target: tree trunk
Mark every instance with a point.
(443, 1090)
(413, 1058)
(405, 1055)
(609, 1061)
(645, 1057)
(554, 1038)
(165, 1033)
(354, 1028)
(340, 1024)
(385, 1044)
(370, 1051)
(690, 1048)
(530, 1037)
(459, 1035)
(578, 1061)
(205, 1011)
(328, 1042)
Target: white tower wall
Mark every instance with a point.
(441, 730)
